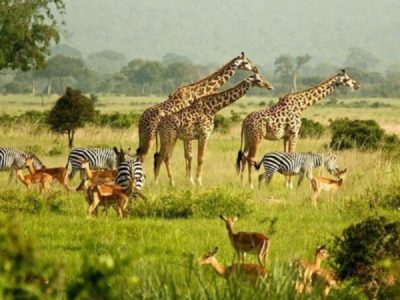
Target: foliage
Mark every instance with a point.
(361, 59)
(27, 30)
(185, 204)
(311, 129)
(118, 120)
(70, 112)
(361, 134)
(95, 280)
(369, 252)
(22, 276)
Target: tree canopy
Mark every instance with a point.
(71, 112)
(27, 30)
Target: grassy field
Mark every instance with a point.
(163, 251)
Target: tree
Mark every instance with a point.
(150, 73)
(71, 112)
(361, 59)
(106, 62)
(61, 66)
(288, 67)
(27, 29)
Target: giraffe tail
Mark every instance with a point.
(156, 154)
(239, 157)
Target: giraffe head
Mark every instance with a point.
(243, 63)
(258, 80)
(344, 79)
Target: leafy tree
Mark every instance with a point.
(172, 58)
(288, 67)
(71, 112)
(26, 32)
(61, 66)
(65, 50)
(369, 253)
(106, 62)
(150, 73)
(361, 59)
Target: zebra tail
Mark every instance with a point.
(239, 157)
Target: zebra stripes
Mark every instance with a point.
(98, 158)
(128, 170)
(16, 158)
(288, 163)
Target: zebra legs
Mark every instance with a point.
(187, 145)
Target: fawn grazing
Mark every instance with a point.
(249, 272)
(41, 178)
(60, 174)
(97, 176)
(327, 184)
(311, 270)
(247, 242)
(107, 195)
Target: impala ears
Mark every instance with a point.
(214, 251)
(222, 217)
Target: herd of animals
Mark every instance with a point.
(110, 177)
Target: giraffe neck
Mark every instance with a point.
(215, 80)
(216, 102)
(304, 99)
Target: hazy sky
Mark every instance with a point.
(215, 30)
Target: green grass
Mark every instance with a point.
(163, 251)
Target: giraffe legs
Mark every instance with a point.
(187, 145)
(166, 149)
(200, 158)
(250, 158)
(292, 141)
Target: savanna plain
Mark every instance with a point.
(156, 248)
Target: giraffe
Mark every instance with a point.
(183, 97)
(283, 120)
(196, 122)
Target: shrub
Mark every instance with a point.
(222, 124)
(185, 204)
(21, 273)
(361, 134)
(118, 120)
(311, 129)
(96, 278)
(368, 252)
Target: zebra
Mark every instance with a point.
(99, 158)
(291, 163)
(14, 158)
(128, 170)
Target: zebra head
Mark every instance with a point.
(330, 162)
(121, 156)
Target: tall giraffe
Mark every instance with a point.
(283, 120)
(183, 97)
(196, 122)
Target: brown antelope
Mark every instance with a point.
(60, 174)
(107, 195)
(327, 184)
(96, 176)
(249, 272)
(247, 242)
(307, 269)
(43, 179)
(328, 279)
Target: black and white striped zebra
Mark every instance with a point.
(288, 163)
(99, 158)
(128, 170)
(14, 158)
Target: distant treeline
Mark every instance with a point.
(108, 72)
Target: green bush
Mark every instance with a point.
(369, 253)
(22, 276)
(361, 134)
(222, 124)
(185, 204)
(118, 120)
(311, 129)
(96, 279)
